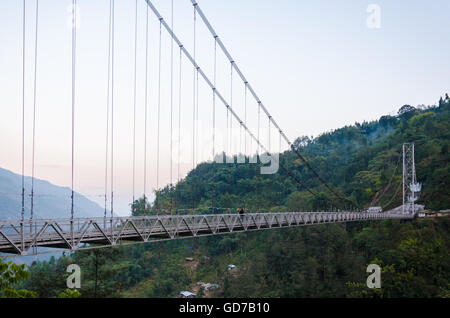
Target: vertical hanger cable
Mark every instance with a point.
(179, 115)
(23, 111)
(134, 98)
(107, 110)
(146, 108)
(159, 107)
(112, 109)
(74, 36)
(34, 109)
(171, 101)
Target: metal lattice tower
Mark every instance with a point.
(411, 188)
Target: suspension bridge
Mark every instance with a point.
(97, 232)
(28, 235)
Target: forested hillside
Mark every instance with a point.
(314, 261)
(360, 162)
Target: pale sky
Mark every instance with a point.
(316, 65)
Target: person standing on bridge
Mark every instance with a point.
(241, 213)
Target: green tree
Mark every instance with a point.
(70, 293)
(200, 293)
(140, 207)
(12, 275)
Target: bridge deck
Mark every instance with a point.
(84, 233)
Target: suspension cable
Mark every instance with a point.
(269, 136)
(393, 197)
(34, 108)
(259, 124)
(112, 109)
(179, 115)
(214, 127)
(193, 92)
(159, 106)
(389, 183)
(134, 99)
(194, 100)
(279, 144)
(196, 87)
(231, 106)
(245, 119)
(211, 85)
(146, 107)
(197, 157)
(219, 41)
(107, 108)
(23, 111)
(250, 153)
(74, 37)
(240, 139)
(171, 102)
(214, 100)
(227, 135)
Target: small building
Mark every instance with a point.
(187, 294)
(189, 259)
(231, 267)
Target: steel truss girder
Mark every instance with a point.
(95, 232)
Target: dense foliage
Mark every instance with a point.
(360, 162)
(10, 276)
(314, 261)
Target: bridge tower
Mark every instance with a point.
(411, 188)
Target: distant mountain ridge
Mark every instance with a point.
(50, 201)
